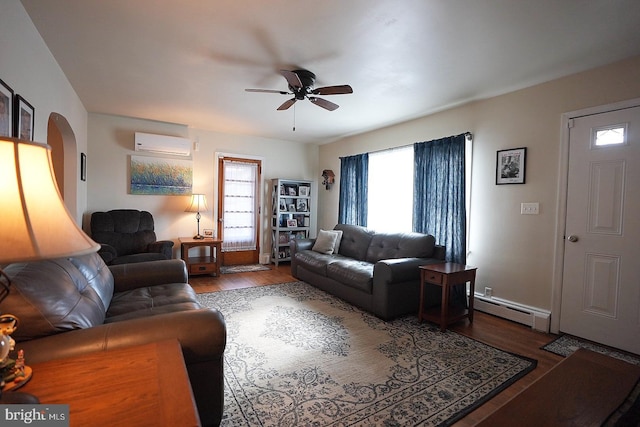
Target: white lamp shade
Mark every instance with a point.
(198, 203)
(34, 222)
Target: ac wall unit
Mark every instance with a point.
(162, 144)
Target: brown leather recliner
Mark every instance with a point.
(70, 306)
(127, 235)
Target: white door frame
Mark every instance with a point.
(561, 217)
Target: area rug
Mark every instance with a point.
(230, 269)
(566, 344)
(297, 356)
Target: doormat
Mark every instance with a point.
(230, 269)
(298, 356)
(566, 344)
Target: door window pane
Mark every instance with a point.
(239, 217)
(609, 135)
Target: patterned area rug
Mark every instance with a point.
(242, 268)
(297, 356)
(566, 344)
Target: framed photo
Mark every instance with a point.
(301, 205)
(304, 191)
(24, 119)
(292, 223)
(292, 208)
(208, 233)
(283, 205)
(511, 166)
(83, 167)
(6, 110)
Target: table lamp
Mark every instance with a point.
(35, 224)
(198, 204)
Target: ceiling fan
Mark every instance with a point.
(301, 87)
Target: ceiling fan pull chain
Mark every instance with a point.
(294, 117)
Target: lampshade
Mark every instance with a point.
(198, 203)
(34, 222)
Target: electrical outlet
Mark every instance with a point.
(488, 292)
(530, 208)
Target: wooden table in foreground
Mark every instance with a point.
(582, 390)
(446, 275)
(144, 385)
(207, 264)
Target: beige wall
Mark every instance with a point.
(514, 253)
(28, 67)
(111, 146)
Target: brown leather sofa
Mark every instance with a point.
(76, 305)
(377, 272)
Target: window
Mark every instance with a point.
(390, 186)
(609, 135)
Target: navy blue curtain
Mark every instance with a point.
(354, 176)
(439, 194)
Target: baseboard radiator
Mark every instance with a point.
(534, 317)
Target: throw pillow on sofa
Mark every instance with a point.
(328, 241)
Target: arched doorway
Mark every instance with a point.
(64, 153)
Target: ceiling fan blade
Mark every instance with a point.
(292, 78)
(333, 90)
(286, 104)
(323, 103)
(281, 92)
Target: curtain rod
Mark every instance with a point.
(467, 135)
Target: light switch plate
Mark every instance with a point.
(530, 208)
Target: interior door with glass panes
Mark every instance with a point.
(239, 209)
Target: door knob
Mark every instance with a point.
(573, 238)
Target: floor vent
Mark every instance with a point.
(534, 317)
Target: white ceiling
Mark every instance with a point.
(189, 61)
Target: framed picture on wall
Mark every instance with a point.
(511, 166)
(24, 119)
(6, 110)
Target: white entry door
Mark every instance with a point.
(601, 276)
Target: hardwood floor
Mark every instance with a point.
(497, 332)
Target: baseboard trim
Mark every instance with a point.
(536, 318)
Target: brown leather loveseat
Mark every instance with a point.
(70, 306)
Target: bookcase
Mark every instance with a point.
(291, 215)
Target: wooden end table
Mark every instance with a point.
(446, 275)
(142, 385)
(208, 264)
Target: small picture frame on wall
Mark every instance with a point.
(83, 167)
(6, 110)
(24, 119)
(511, 166)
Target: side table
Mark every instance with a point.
(142, 385)
(208, 264)
(446, 275)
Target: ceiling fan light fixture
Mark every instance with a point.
(300, 84)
